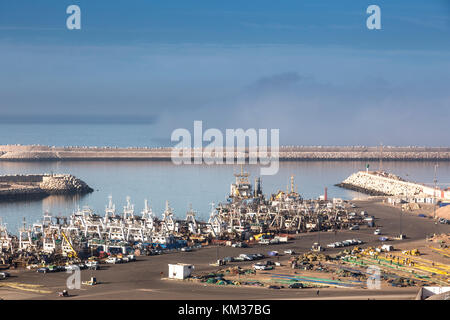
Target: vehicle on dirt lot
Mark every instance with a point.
(71, 267)
(42, 270)
(112, 260)
(260, 266)
(92, 265)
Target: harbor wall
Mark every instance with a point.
(385, 184)
(286, 153)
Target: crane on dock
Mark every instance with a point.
(74, 253)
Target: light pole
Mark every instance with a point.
(435, 198)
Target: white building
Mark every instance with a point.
(180, 270)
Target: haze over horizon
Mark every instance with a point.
(312, 70)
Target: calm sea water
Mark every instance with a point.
(198, 185)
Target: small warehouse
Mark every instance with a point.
(180, 270)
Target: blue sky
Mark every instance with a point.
(310, 68)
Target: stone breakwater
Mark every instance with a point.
(286, 153)
(22, 187)
(381, 184)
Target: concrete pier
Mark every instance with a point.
(286, 153)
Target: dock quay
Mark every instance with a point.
(37, 186)
(285, 153)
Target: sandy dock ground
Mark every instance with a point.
(142, 279)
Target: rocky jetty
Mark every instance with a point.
(381, 184)
(64, 184)
(23, 187)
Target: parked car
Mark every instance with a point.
(276, 287)
(274, 241)
(354, 227)
(289, 251)
(53, 268)
(92, 265)
(228, 259)
(260, 255)
(331, 245)
(260, 266)
(112, 260)
(444, 221)
(239, 245)
(296, 285)
(82, 266)
(71, 267)
(42, 270)
(186, 249)
(377, 232)
(246, 257)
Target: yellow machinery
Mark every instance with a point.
(199, 238)
(280, 195)
(258, 236)
(91, 282)
(413, 252)
(74, 253)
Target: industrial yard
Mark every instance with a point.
(146, 278)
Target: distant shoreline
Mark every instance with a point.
(299, 153)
